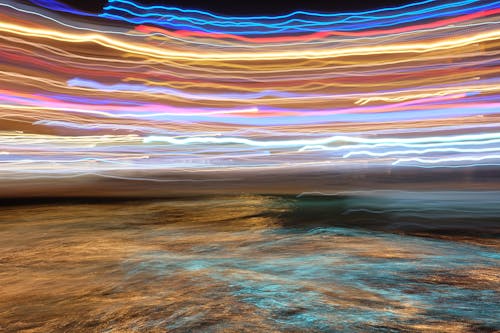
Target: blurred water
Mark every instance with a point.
(252, 263)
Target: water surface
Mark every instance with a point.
(249, 264)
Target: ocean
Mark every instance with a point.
(390, 262)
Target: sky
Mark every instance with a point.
(150, 100)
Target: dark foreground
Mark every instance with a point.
(387, 263)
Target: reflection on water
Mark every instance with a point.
(253, 263)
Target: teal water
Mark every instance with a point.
(252, 264)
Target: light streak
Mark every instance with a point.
(191, 92)
(268, 25)
(158, 53)
(448, 159)
(421, 152)
(322, 141)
